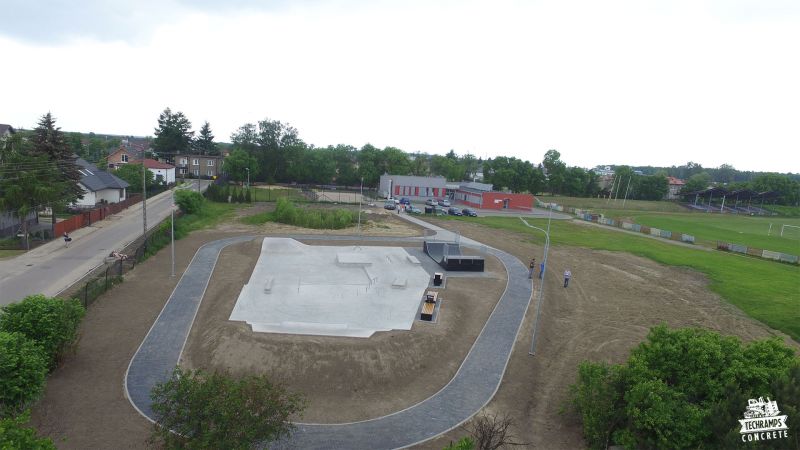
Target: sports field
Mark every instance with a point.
(765, 290)
(745, 230)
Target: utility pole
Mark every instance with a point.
(172, 234)
(626, 191)
(144, 204)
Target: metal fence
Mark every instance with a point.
(111, 272)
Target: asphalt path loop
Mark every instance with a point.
(472, 387)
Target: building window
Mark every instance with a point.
(183, 171)
(195, 162)
(124, 157)
(183, 163)
(210, 162)
(197, 172)
(210, 173)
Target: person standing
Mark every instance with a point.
(567, 276)
(541, 270)
(67, 239)
(531, 268)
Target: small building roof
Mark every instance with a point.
(6, 129)
(153, 164)
(675, 181)
(477, 186)
(96, 180)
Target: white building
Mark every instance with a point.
(99, 186)
(162, 172)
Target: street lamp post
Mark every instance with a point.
(541, 287)
(248, 177)
(360, 197)
(172, 234)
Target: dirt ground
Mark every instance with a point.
(610, 304)
(344, 379)
(608, 308)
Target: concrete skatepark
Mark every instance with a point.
(333, 291)
(473, 385)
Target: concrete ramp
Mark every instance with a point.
(437, 250)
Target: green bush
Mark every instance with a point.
(23, 368)
(51, 322)
(195, 409)
(15, 436)
(190, 202)
(286, 212)
(674, 387)
(466, 443)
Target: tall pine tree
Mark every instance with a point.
(173, 135)
(49, 142)
(204, 144)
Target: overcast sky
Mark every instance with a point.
(603, 82)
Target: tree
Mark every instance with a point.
(48, 141)
(132, 174)
(651, 187)
(237, 164)
(190, 202)
(556, 171)
(787, 189)
(196, 409)
(26, 183)
(665, 395)
(15, 436)
(492, 431)
(204, 144)
(23, 368)
(173, 135)
(696, 182)
(51, 322)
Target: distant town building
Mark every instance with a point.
(480, 195)
(675, 186)
(198, 166)
(412, 187)
(162, 172)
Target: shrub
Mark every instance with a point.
(15, 436)
(217, 411)
(679, 389)
(190, 202)
(50, 322)
(23, 368)
(286, 212)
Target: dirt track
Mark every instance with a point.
(612, 301)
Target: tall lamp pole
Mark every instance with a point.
(541, 287)
(248, 177)
(360, 197)
(144, 204)
(172, 234)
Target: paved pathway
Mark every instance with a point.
(473, 385)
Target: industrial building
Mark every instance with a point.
(412, 187)
(468, 193)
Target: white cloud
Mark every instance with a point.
(656, 83)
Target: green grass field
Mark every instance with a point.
(765, 290)
(745, 230)
(10, 253)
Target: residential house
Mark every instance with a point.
(124, 154)
(675, 186)
(199, 166)
(99, 186)
(163, 172)
(6, 130)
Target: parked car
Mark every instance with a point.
(454, 212)
(444, 203)
(389, 204)
(405, 201)
(413, 210)
(469, 212)
(431, 202)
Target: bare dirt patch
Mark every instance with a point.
(344, 379)
(601, 316)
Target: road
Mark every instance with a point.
(51, 268)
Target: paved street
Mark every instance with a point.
(51, 268)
